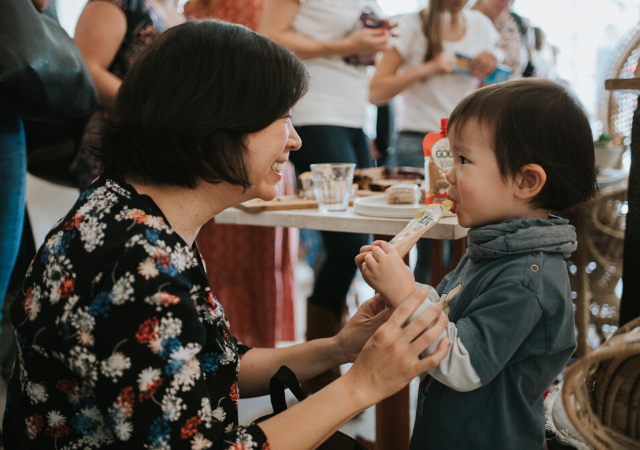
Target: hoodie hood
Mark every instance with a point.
(522, 235)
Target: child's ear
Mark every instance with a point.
(529, 181)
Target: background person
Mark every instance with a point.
(262, 311)
(329, 120)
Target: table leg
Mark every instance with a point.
(392, 413)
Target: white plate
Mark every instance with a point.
(377, 206)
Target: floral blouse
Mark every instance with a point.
(121, 342)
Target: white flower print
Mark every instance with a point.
(122, 289)
(199, 442)
(57, 270)
(205, 412)
(115, 366)
(123, 430)
(182, 258)
(156, 222)
(228, 356)
(148, 269)
(34, 310)
(117, 189)
(184, 379)
(37, 392)
(83, 363)
(147, 378)
(82, 320)
(172, 406)
(55, 418)
(85, 338)
(229, 428)
(170, 327)
(219, 414)
(68, 306)
(92, 233)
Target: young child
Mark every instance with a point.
(521, 149)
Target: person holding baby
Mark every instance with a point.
(521, 150)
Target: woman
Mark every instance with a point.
(121, 342)
(110, 35)
(418, 69)
(329, 119)
(516, 39)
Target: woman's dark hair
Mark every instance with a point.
(185, 107)
(536, 122)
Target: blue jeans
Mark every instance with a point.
(326, 144)
(13, 179)
(408, 153)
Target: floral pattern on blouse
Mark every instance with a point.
(121, 343)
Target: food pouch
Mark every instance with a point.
(438, 161)
(424, 220)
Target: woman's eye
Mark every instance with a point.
(463, 160)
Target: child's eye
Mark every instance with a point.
(463, 160)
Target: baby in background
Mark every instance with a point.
(521, 149)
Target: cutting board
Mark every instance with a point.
(280, 203)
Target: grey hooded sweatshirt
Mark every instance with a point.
(511, 331)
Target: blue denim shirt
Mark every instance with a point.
(514, 315)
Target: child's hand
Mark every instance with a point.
(384, 270)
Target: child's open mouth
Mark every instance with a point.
(454, 207)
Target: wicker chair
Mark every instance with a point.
(601, 392)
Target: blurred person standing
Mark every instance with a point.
(329, 120)
(418, 69)
(516, 37)
(111, 34)
(261, 311)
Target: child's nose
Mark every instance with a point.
(450, 176)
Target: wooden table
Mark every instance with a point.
(392, 414)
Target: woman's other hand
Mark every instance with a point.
(390, 359)
(355, 334)
(483, 65)
(368, 40)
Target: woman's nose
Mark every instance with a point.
(294, 139)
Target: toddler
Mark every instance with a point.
(521, 149)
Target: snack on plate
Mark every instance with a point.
(364, 177)
(305, 185)
(383, 185)
(406, 194)
(424, 220)
(407, 173)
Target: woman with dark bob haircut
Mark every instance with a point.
(121, 341)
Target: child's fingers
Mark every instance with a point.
(370, 260)
(366, 248)
(378, 253)
(378, 243)
(388, 248)
(360, 259)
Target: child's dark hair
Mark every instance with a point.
(185, 107)
(536, 122)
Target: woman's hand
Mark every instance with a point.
(483, 65)
(443, 63)
(390, 359)
(361, 327)
(367, 40)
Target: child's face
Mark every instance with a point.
(481, 194)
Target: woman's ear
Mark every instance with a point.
(529, 181)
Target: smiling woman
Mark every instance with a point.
(121, 340)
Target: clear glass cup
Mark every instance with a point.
(332, 185)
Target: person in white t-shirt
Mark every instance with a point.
(419, 70)
(329, 120)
